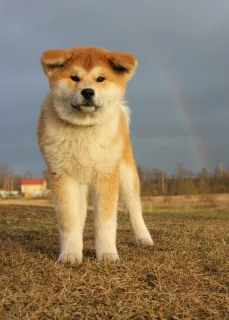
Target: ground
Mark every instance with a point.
(184, 276)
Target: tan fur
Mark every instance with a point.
(89, 146)
(106, 192)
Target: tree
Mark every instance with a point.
(46, 176)
(203, 177)
(182, 172)
(158, 176)
(16, 182)
(187, 188)
(219, 170)
(220, 178)
(5, 176)
(173, 185)
(140, 171)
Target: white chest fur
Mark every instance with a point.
(80, 151)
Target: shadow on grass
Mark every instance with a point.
(34, 241)
(44, 241)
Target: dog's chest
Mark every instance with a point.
(81, 152)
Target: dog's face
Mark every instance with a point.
(87, 84)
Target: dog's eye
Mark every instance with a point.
(75, 78)
(100, 79)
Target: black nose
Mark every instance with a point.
(88, 93)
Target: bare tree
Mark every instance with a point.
(219, 170)
(16, 182)
(46, 176)
(5, 176)
(203, 179)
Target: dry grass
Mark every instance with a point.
(27, 202)
(185, 276)
(149, 203)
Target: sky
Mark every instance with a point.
(179, 95)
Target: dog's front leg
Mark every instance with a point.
(105, 204)
(70, 199)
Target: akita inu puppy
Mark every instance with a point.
(83, 134)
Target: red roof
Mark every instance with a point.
(32, 181)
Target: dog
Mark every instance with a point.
(84, 138)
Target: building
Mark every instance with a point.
(4, 193)
(33, 187)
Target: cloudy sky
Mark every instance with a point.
(179, 95)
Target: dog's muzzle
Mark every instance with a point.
(86, 107)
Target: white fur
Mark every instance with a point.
(76, 148)
(105, 235)
(107, 99)
(127, 111)
(73, 211)
(105, 238)
(81, 149)
(132, 202)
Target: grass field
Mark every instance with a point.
(184, 276)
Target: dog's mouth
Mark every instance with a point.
(87, 107)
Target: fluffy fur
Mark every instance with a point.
(85, 143)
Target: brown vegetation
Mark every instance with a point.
(155, 182)
(185, 276)
(184, 182)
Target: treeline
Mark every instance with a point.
(11, 181)
(184, 182)
(153, 182)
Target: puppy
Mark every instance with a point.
(83, 135)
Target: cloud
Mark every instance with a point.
(182, 48)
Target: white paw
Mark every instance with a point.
(144, 242)
(108, 256)
(70, 257)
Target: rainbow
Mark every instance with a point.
(181, 109)
(173, 90)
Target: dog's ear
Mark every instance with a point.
(54, 59)
(123, 63)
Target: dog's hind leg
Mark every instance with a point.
(130, 194)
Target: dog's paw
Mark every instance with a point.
(108, 256)
(145, 242)
(71, 258)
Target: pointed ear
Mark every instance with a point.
(53, 59)
(123, 63)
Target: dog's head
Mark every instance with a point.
(87, 83)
